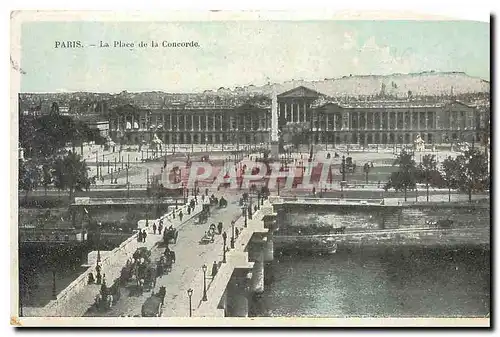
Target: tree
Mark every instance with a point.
(449, 172)
(427, 171)
(71, 173)
(47, 135)
(472, 169)
(405, 177)
(29, 176)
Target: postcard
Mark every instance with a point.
(250, 169)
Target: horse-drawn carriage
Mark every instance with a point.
(153, 306)
(107, 297)
(141, 270)
(209, 236)
(170, 235)
(165, 263)
(222, 202)
(213, 200)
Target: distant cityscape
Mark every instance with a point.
(391, 115)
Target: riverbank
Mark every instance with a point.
(414, 237)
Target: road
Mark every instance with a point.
(187, 271)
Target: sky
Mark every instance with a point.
(238, 53)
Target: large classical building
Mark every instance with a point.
(319, 118)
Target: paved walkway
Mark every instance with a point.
(186, 272)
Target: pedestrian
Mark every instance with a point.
(219, 227)
(91, 279)
(144, 235)
(189, 210)
(214, 269)
(255, 208)
(180, 216)
(139, 236)
(160, 227)
(154, 228)
(224, 237)
(237, 231)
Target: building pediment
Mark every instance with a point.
(300, 92)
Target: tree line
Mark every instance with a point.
(466, 173)
(44, 140)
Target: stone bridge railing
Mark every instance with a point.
(325, 201)
(242, 258)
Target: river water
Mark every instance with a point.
(385, 282)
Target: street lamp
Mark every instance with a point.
(204, 268)
(232, 234)
(98, 243)
(224, 251)
(190, 294)
(244, 209)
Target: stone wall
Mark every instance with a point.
(357, 219)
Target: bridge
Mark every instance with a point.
(241, 264)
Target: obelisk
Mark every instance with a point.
(274, 126)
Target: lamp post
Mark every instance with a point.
(244, 209)
(232, 234)
(224, 252)
(190, 294)
(128, 185)
(98, 243)
(343, 177)
(204, 268)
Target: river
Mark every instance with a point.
(381, 282)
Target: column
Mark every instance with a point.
(192, 122)
(305, 111)
(418, 120)
(411, 121)
(426, 121)
(206, 122)
(326, 126)
(213, 122)
(170, 117)
(221, 126)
